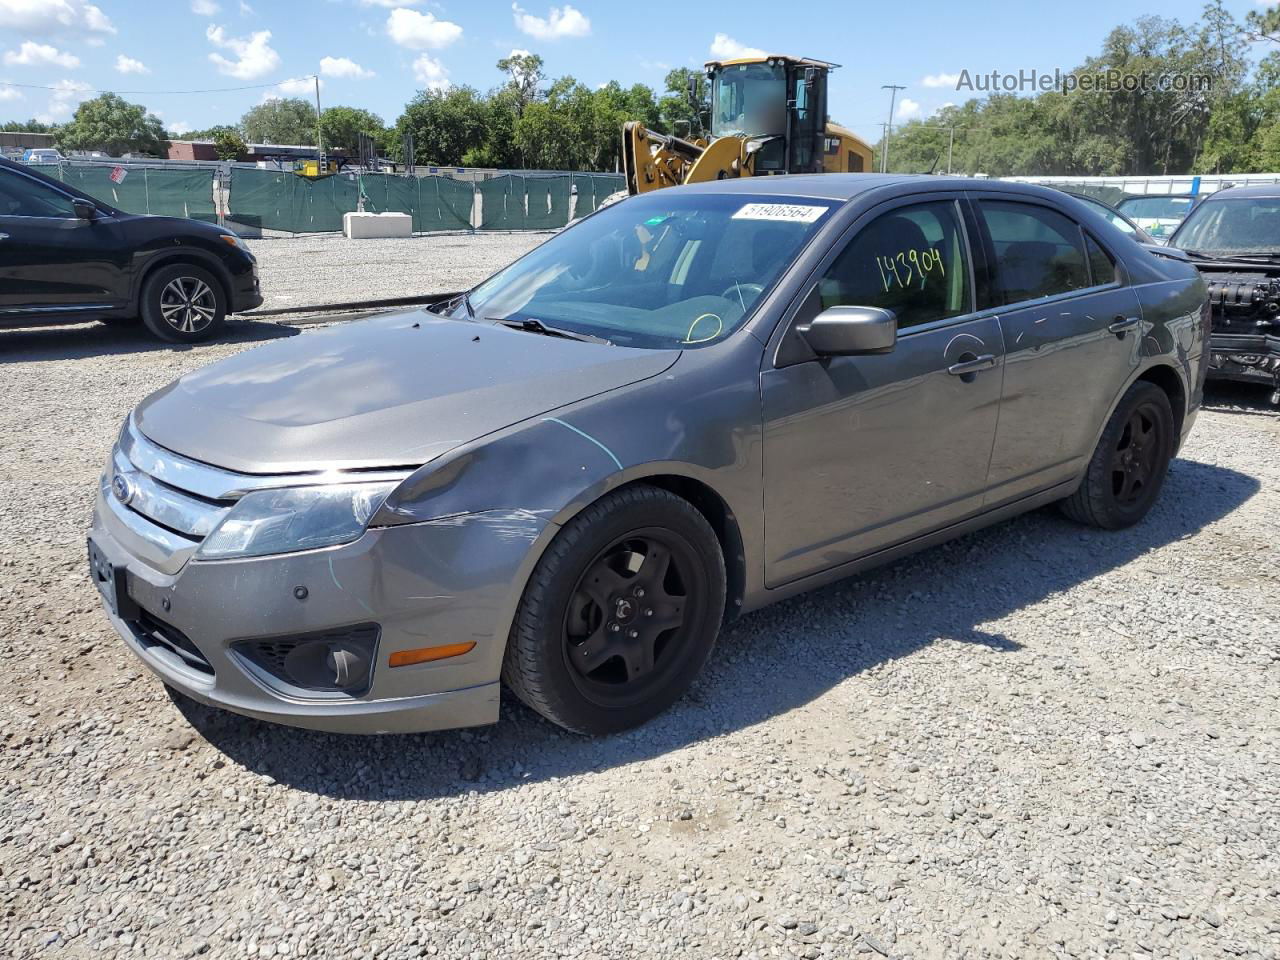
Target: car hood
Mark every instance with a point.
(391, 391)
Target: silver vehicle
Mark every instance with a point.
(688, 405)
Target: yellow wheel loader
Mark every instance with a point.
(768, 116)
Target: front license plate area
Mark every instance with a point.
(112, 582)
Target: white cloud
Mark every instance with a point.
(343, 67)
(205, 8)
(293, 87)
(390, 4)
(129, 65)
(32, 54)
(179, 128)
(50, 17)
(724, 47)
(431, 73)
(559, 22)
(935, 80)
(10, 93)
(421, 31)
(245, 9)
(908, 108)
(67, 95)
(254, 56)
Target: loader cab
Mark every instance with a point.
(778, 103)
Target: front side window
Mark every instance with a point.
(668, 269)
(1039, 252)
(911, 260)
(23, 197)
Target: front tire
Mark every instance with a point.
(183, 303)
(620, 613)
(1128, 467)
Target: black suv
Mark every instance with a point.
(1234, 238)
(66, 257)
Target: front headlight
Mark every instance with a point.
(294, 518)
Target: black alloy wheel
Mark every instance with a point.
(619, 614)
(1128, 466)
(626, 613)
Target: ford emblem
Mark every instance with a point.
(122, 488)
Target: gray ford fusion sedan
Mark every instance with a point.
(686, 406)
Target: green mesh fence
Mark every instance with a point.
(594, 187)
(170, 193)
(502, 203)
(547, 205)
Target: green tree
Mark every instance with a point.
(289, 121)
(113, 125)
(445, 124)
(27, 126)
(342, 126)
(229, 144)
(679, 115)
(524, 76)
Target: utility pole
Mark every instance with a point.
(951, 143)
(319, 145)
(893, 98)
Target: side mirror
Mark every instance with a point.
(693, 90)
(84, 209)
(848, 331)
(810, 77)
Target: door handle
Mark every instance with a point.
(1123, 325)
(984, 362)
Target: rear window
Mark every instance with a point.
(1039, 252)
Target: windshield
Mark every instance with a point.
(1227, 227)
(1155, 208)
(749, 100)
(654, 271)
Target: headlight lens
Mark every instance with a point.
(295, 518)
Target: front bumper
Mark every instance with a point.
(422, 584)
(1251, 358)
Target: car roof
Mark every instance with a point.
(847, 186)
(1271, 190)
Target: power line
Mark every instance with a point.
(155, 93)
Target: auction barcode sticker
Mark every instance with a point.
(793, 212)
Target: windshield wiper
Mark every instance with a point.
(530, 325)
(446, 306)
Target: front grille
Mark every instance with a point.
(152, 632)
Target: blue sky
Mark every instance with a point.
(377, 53)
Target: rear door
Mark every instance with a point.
(864, 452)
(1072, 332)
(50, 259)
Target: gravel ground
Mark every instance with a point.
(311, 271)
(1036, 741)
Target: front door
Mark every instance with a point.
(1072, 335)
(50, 259)
(864, 452)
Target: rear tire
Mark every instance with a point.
(620, 613)
(1128, 467)
(183, 303)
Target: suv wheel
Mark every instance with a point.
(620, 613)
(183, 303)
(1129, 465)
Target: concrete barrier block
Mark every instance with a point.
(362, 226)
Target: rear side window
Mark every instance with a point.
(911, 260)
(1101, 266)
(1039, 252)
(23, 197)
